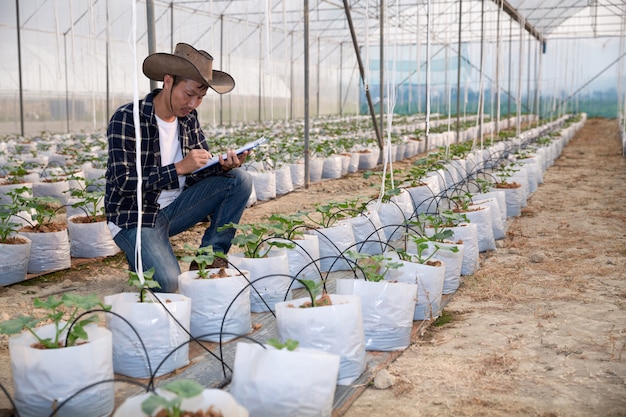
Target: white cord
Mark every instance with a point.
(133, 48)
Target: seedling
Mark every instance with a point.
(374, 267)
(88, 201)
(315, 288)
(42, 209)
(288, 226)
(289, 344)
(204, 257)
(334, 211)
(181, 388)
(148, 282)
(62, 313)
(463, 201)
(254, 239)
(7, 227)
(504, 172)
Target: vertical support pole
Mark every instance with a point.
(260, 73)
(528, 101)
(19, 65)
(498, 38)
(307, 151)
(428, 76)
(481, 94)
(508, 114)
(172, 27)
(151, 34)
(357, 51)
(317, 81)
(67, 88)
(221, 66)
(291, 82)
(108, 52)
(458, 76)
(381, 88)
(340, 79)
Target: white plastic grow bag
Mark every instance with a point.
(429, 280)
(90, 240)
(337, 329)
(269, 277)
(387, 309)
(334, 241)
(14, 261)
(220, 400)
(282, 383)
(43, 378)
(210, 300)
(48, 251)
(160, 333)
(368, 232)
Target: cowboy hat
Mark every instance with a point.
(190, 63)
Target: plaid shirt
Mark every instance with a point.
(121, 174)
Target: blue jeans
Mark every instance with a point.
(223, 198)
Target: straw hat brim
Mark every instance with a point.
(156, 65)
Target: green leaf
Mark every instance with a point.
(184, 388)
(16, 325)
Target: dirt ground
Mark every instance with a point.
(539, 330)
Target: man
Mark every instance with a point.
(173, 147)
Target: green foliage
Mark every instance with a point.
(148, 282)
(14, 173)
(7, 227)
(203, 256)
(374, 267)
(315, 288)
(254, 239)
(88, 201)
(463, 201)
(288, 226)
(391, 189)
(62, 312)
(289, 344)
(484, 186)
(422, 245)
(182, 388)
(41, 208)
(328, 214)
(505, 171)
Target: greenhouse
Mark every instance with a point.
(332, 207)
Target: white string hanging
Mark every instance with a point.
(132, 43)
(58, 39)
(72, 33)
(92, 54)
(418, 63)
(267, 61)
(390, 87)
(428, 74)
(285, 53)
(215, 101)
(518, 95)
(447, 89)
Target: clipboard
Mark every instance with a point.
(247, 147)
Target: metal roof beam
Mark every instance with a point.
(515, 15)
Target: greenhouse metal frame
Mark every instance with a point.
(294, 60)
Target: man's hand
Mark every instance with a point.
(232, 160)
(196, 158)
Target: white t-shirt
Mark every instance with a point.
(171, 152)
